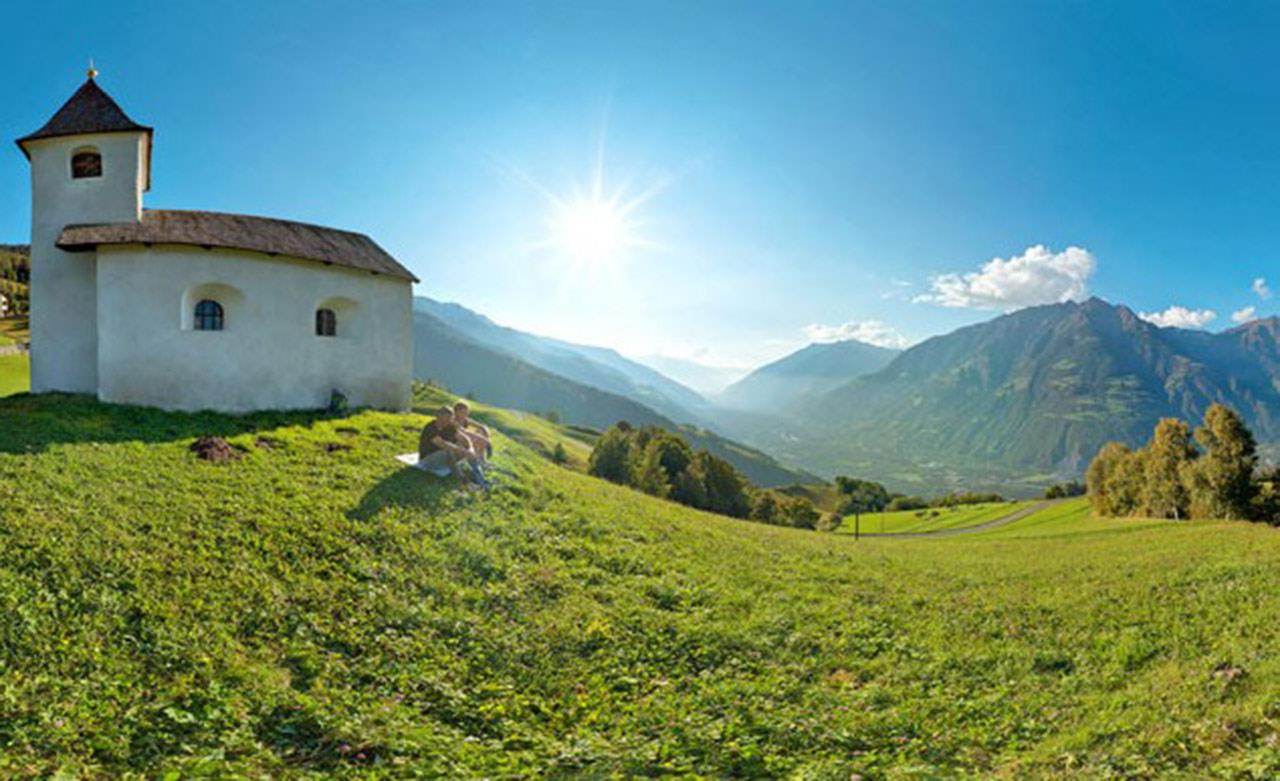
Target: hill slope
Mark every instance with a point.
(808, 372)
(15, 265)
(1044, 387)
(312, 610)
(596, 367)
(444, 354)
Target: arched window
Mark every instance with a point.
(208, 316)
(326, 323)
(86, 164)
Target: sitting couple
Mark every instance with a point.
(453, 442)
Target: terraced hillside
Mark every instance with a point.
(313, 609)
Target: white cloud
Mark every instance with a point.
(1244, 315)
(898, 290)
(1180, 317)
(1261, 288)
(1037, 276)
(869, 331)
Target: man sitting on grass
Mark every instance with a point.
(474, 431)
(441, 450)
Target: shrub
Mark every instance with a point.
(662, 464)
(829, 522)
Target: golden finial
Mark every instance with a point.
(93, 72)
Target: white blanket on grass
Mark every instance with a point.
(411, 459)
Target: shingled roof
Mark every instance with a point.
(238, 231)
(89, 110)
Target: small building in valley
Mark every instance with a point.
(197, 310)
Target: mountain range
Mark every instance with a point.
(472, 356)
(596, 367)
(1038, 391)
(1010, 403)
(804, 374)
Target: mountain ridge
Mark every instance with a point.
(598, 367)
(468, 367)
(1045, 386)
(810, 371)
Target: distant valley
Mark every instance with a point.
(1008, 404)
(1029, 396)
(588, 386)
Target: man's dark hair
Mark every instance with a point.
(445, 410)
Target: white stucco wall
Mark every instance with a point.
(63, 290)
(268, 356)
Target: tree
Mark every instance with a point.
(726, 489)
(764, 507)
(829, 522)
(1266, 502)
(1064, 490)
(900, 503)
(798, 512)
(1097, 478)
(611, 457)
(1124, 486)
(671, 454)
(650, 477)
(1221, 483)
(1164, 495)
(559, 455)
(861, 496)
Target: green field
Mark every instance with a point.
(13, 330)
(15, 373)
(932, 518)
(312, 609)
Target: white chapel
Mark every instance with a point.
(195, 310)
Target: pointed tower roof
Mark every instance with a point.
(89, 110)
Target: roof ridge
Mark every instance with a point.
(281, 220)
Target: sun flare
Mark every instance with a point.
(591, 230)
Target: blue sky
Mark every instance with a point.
(809, 167)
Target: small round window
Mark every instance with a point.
(86, 165)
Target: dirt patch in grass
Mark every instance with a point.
(215, 449)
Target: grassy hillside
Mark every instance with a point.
(312, 609)
(15, 264)
(15, 371)
(14, 330)
(932, 518)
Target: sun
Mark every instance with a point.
(591, 230)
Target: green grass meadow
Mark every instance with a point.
(313, 609)
(14, 330)
(15, 373)
(932, 519)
